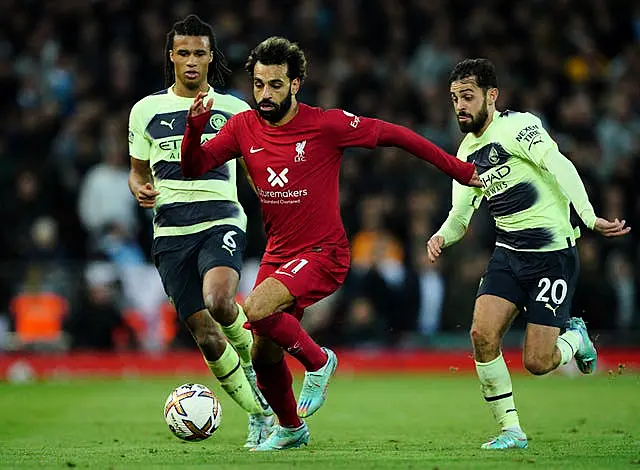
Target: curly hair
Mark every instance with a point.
(277, 51)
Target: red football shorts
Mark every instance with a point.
(310, 276)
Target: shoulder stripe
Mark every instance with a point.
(161, 92)
(182, 214)
(163, 125)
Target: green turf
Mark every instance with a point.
(373, 422)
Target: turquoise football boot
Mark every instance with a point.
(285, 438)
(260, 428)
(507, 439)
(314, 387)
(587, 356)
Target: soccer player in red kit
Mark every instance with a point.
(293, 152)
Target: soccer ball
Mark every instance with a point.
(192, 412)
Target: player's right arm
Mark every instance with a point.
(465, 200)
(197, 159)
(140, 179)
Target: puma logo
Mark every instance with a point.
(168, 124)
(547, 305)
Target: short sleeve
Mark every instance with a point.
(349, 130)
(139, 143)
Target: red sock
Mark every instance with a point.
(285, 330)
(274, 381)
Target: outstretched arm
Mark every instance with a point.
(393, 135)
(197, 159)
(348, 130)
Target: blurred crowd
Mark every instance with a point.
(70, 72)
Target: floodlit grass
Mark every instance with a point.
(368, 422)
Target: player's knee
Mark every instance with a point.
(252, 308)
(221, 306)
(486, 344)
(537, 364)
(483, 338)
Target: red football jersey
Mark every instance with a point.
(295, 168)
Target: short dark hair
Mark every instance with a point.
(277, 51)
(192, 25)
(482, 69)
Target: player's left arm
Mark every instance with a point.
(349, 130)
(535, 143)
(197, 159)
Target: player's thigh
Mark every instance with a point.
(220, 264)
(269, 296)
(297, 283)
(551, 278)
(313, 275)
(500, 297)
(181, 281)
(492, 317)
(222, 247)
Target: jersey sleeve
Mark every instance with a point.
(465, 200)
(197, 159)
(139, 143)
(534, 143)
(224, 145)
(349, 130)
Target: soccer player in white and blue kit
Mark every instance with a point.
(529, 186)
(199, 225)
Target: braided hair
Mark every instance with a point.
(192, 25)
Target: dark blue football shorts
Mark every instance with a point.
(540, 284)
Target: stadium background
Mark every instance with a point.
(74, 249)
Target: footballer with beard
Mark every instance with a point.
(529, 187)
(293, 153)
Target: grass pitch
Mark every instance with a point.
(368, 422)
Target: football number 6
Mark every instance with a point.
(229, 240)
(558, 290)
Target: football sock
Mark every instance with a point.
(232, 379)
(274, 381)
(495, 383)
(285, 330)
(568, 344)
(239, 337)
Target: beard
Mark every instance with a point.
(279, 109)
(475, 123)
